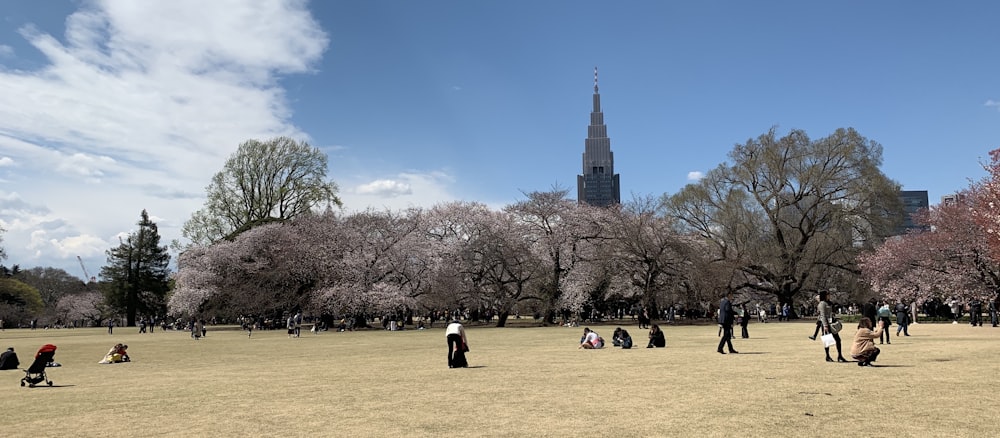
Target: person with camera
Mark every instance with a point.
(864, 349)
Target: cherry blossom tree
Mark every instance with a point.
(86, 309)
(952, 260)
(559, 227)
(378, 265)
(984, 200)
(650, 256)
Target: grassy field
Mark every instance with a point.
(522, 381)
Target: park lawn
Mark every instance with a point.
(522, 381)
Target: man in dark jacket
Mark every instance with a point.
(726, 318)
(870, 311)
(8, 360)
(976, 313)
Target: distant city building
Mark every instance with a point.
(913, 201)
(598, 185)
(951, 199)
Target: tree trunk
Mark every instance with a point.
(130, 305)
(502, 318)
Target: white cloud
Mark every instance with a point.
(695, 175)
(404, 190)
(137, 109)
(6, 50)
(991, 102)
(384, 187)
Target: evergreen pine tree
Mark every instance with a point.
(135, 280)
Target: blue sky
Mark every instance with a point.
(110, 107)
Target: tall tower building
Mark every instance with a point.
(598, 185)
(913, 201)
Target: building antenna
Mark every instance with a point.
(595, 79)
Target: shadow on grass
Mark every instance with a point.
(890, 366)
(47, 386)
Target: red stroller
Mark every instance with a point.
(36, 372)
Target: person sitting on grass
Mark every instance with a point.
(864, 349)
(118, 353)
(591, 340)
(656, 338)
(8, 359)
(626, 340)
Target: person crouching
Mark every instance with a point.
(864, 349)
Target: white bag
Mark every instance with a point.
(828, 340)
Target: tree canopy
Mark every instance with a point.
(791, 213)
(262, 181)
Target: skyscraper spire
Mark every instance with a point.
(598, 184)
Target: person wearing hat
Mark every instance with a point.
(8, 359)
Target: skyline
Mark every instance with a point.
(111, 107)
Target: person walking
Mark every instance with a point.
(825, 311)
(111, 325)
(458, 345)
(726, 318)
(902, 319)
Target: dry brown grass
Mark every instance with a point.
(522, 382)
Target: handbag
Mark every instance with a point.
(828, 340)
(836, 326)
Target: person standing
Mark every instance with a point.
(994, 307)
(975, 312)
(458, 344)
(956, 310)
(111, 325)
(726, 318)
(902, 319)
(885, 317)
(870, 311)
(825, 311)
(298, 323)
(744, 322)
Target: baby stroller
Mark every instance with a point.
(36, 372)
